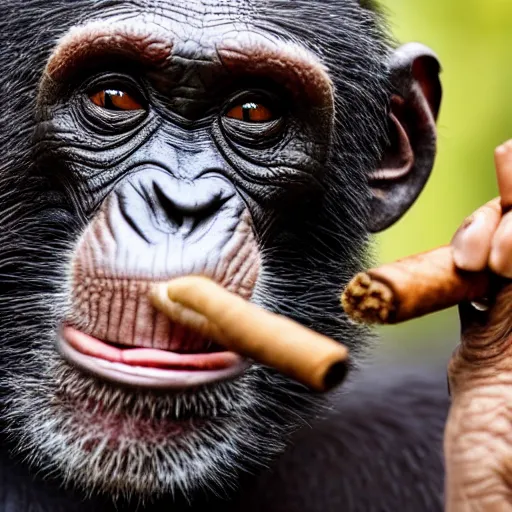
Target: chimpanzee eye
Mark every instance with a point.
(251, 112)
(115, 99)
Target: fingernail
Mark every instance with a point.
(504, 148)
(481, 305)
(468, 251)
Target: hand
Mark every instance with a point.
(478, 435)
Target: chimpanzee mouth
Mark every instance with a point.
(113, 331)
(148, 367)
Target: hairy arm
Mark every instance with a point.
(478, 436)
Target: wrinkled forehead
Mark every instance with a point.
(158, 34)
(191, 13)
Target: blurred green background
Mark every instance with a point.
(473, 39)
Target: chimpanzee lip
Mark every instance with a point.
(147, 367)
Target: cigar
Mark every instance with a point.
(412, 287)
(240, 326)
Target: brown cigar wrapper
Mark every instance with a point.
(240, 326)
(412, 287)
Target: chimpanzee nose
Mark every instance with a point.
(188, 206)
(155, 205)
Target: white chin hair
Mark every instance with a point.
(133, 443)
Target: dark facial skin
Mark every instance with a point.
(153, 141)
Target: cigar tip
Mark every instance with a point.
(335, 375)
(157, 292)
(183, 286)
(369, 301)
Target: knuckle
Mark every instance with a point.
(500, 259)
(492, 210)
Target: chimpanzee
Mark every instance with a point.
(256, 142)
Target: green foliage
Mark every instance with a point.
(473, 41)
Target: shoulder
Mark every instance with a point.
(378, 448)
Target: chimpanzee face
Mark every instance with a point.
(254, 144)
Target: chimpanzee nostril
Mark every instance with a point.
(173, 212)
(188, 212)
(209, 209)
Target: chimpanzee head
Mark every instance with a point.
(257, 143)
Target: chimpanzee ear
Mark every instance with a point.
(409, 157)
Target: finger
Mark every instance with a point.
(472, 242)
(503, 161)
(500, 259)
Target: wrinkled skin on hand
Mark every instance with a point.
(478, 436)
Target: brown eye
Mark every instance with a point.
(251, 113)
(113, 99)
